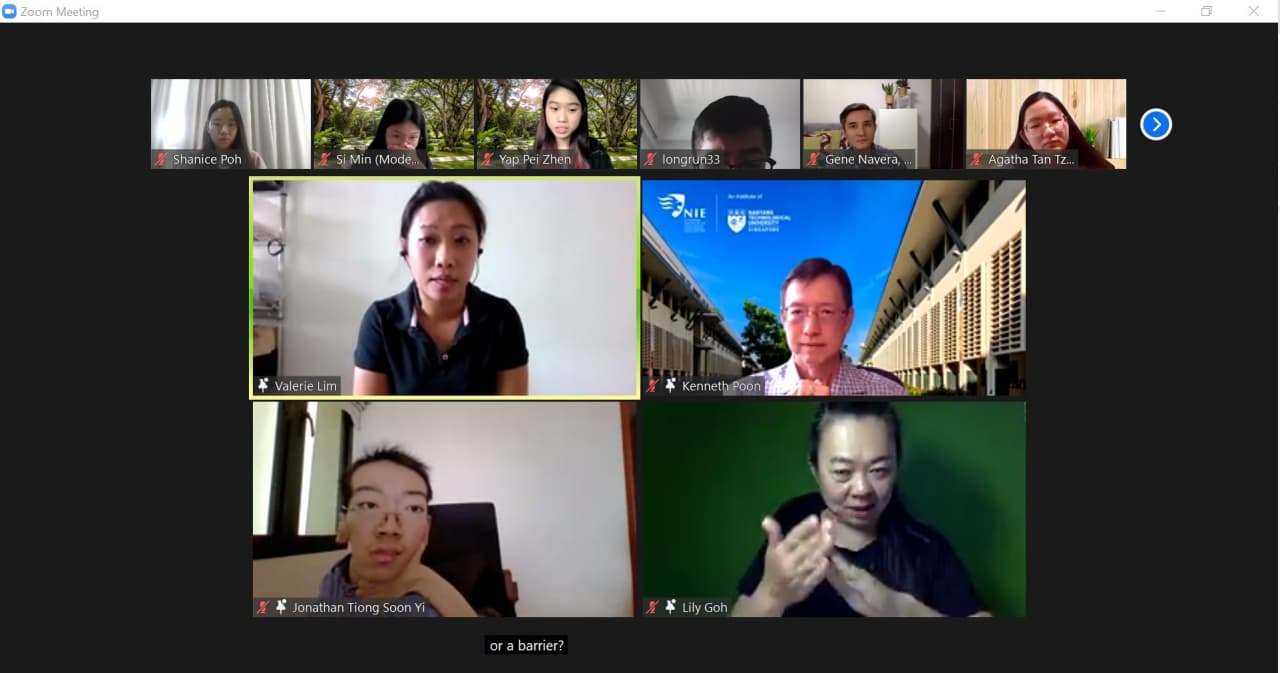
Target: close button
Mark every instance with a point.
(1156, 124)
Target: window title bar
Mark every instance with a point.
(653, 11)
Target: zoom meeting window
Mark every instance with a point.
(689, 322)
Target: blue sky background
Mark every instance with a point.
(857, 224)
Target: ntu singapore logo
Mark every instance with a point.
(737, 220)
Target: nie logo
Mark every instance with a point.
(676, 204)
(673, 203)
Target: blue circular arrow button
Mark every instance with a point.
(1156, 124)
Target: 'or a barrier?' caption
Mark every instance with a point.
(526, 644)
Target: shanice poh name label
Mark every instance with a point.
(527, 159)
(196, 159)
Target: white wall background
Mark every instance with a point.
(325, 471)
(825, 98)
(563, 252)
(264, 458)
(554, 471)
(672, 105)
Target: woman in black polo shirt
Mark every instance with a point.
(852, 549)
(442, 335)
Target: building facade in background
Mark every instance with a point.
(681, 333)
(953, 312)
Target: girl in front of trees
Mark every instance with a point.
(562, 125)
(402, 129)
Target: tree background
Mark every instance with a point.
(508, 110)
(763, 338)
(345, 114)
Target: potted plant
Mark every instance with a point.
(903, 93)
(1091, 136)
(888, 94)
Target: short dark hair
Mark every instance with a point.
(856, 409)
(442, 191)
(899, 532)
(390, 453)
(732, 115)
(814, 267)
(854, 107)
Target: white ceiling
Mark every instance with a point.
(668, 100)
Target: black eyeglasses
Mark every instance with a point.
(753, 164)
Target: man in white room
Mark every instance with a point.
(858, 127)
(739, 127)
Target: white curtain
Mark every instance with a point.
(277, 114)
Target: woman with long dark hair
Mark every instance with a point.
(225, 134)
(402, 129)
(1045, 124)
(562, 125)
(852, 549)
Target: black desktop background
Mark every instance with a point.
(1151, 387)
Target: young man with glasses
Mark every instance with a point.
(386, 523)
(817, 312)
(739, 127)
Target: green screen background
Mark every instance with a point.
(712, 470)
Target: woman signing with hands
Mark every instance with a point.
(852, 549)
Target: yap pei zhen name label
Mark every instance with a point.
(526, 159)
(297, 385)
